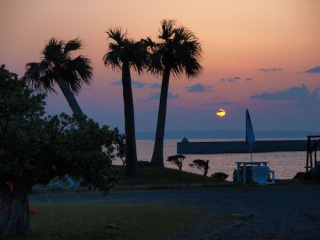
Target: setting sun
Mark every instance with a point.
(221, 113)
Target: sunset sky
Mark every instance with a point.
(261, 55)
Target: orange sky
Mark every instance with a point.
(249, 47)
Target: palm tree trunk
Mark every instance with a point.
(69, 96)
(157, 156)
(131, 151)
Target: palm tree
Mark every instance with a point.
(59, 66)
(178, 51)
(124, 54)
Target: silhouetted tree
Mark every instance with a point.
(59, 66)
(176, 160)
(178, 51)
(124, 54)
(201, 164)
(34, 149)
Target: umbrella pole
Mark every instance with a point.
(250, 152)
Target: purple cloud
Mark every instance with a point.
(134, 83)
(300, 95)
(199, 88)
(155, 85)
(313, 70)
(293, 93)
(267, 70)
(156, 96)
(219, 103)
(232, 80)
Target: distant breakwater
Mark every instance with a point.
(186, 147)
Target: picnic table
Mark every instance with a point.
(243, 165)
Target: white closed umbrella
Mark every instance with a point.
(249, 132)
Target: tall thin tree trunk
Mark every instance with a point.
(69, 96)
(157, 156)
(131, 151)
(206, 167)
(14, 214)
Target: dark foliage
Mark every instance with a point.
(220, 176)
(34, 149)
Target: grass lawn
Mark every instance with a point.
(88, 220)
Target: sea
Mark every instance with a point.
(284, 164)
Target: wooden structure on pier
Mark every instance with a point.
(313, 143)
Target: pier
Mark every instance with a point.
(186, 147)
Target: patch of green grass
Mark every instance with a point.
(88, 220)
(162, 176)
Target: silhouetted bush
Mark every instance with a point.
(220, 176)
(143, 164)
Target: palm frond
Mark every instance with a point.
(167, 29)
(77, 72)
(39, 77)
(82, 66)
(138, 56)
(53, 50)
(58, 62)
(178, 49)
(117, 35)
(148, 42)
(75, 86)
(125, 51)
(112, 59)
(72, 45)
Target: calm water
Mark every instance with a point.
(285, 164)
